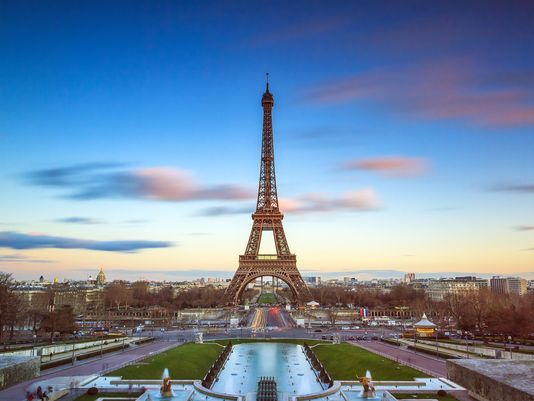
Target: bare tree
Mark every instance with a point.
(9, 306)
(118, 294)
(333, 314)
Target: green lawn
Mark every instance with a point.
(344, 361)
(424, 397)
(188, 361)
(267, 298)
(117, 395)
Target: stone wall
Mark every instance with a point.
(59, 348)
(494, 380)
(16, 369)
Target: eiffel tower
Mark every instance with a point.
(252, 264)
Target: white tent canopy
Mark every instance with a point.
(424, 322)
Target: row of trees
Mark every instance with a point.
(41, 319)
(400, 295)
(477, 311)
(481, 311)
(121, 294)
(484, 312)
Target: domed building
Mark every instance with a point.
(101, 278)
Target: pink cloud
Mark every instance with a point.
(90, 181)
(358, 200)
(442, 89)
(395, 166)
(168, 184)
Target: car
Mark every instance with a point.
(351, 338)
(323, 337)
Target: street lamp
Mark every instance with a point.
(467, 344)
(510, 341)
(437, 352)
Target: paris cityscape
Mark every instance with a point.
(389, 255)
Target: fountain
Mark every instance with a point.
(368, 388)
(166, 390)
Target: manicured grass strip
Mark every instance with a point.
(188, 361)
(117, 395)
(404, 396)
(344, 361)
(267, 298)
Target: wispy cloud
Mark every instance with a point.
(108, 180)
(225, 210)
(393, 166)
(18, 258)
(305, 29)
(438, 90)
(519, 188)
(359, 200)
(79, 220)
(524, 228)
(354, 201)
(17, 240)
(135, 221)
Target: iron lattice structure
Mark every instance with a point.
(267, 217)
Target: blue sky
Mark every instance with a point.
(403, 134)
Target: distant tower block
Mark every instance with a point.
(101, 278)
(283, 264)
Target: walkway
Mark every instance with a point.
(429, 364)
(92, 366)
(105, 346)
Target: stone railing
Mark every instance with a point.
(213, 372)
(322, 374)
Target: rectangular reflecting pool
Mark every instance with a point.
(285, 362)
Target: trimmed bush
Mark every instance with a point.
(92, 391)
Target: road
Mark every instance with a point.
(273, 317)
(91, 366)
(433, 365)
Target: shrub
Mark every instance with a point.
(92, 391)
(442, 393)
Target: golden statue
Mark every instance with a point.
(165, 389)
(368, 388)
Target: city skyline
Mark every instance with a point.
(132, 141)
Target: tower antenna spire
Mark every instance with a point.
(267, 81)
